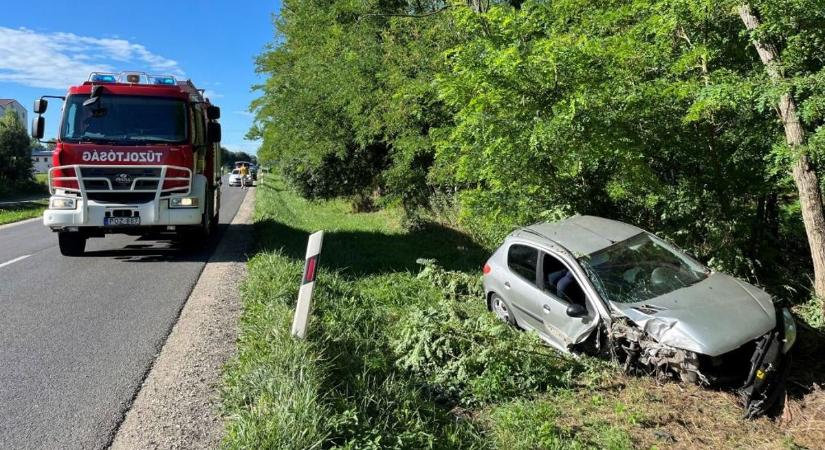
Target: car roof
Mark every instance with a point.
(581, 235)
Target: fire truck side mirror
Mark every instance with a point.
(40, 106)
(214, 132)
(38, 127)
(213, 113)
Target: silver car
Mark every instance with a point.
(598, 286)
(235, 178)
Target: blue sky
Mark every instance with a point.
(48, 44)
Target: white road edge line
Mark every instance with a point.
(13, 261)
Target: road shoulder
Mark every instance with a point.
(178, 403)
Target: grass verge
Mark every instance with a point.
(22, 211)
(402, 354)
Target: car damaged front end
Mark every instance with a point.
(757, 369)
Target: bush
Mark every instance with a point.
(15, 156)
(464, 355)
(374, 405)
(811, 312)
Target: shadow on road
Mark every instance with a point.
(163, 248)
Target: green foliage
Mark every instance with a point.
(403, 356)
(811, 312)
(464, 355)
(658, 113)
(349, 98)
(229, 157)
(15, 156)
(341, 388)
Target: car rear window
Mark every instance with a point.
(523, 260)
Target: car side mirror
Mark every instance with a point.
(214, 132)
(213, 113)
(40, 106)
(576, 310)
(38, 127)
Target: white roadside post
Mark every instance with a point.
(304, 305)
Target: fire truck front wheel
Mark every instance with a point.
(197, 237)
(71, 243)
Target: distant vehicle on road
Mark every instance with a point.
(235, 178)
(136, 154)
(593, 285)
(253, 169)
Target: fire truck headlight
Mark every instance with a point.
(62, 203)
(183, 202)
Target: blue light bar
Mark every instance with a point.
(103, 78)
(168, 81)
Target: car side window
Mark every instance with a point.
(523, 260)
(560, 282)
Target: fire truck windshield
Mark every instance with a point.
(125, 120)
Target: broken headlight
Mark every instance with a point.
(790, 330)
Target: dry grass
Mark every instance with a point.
(662, 414)
(674, 415)
(804, 416)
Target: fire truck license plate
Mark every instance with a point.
(120, 221)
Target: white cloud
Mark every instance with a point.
(212, 95)
(57, 60)
(243, 113)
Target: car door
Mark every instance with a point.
(525, 296)
(520, 283)
(560, 285)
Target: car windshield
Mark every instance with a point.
(124, 120)
(235, 172)
(641, 268)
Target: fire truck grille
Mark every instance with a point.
(119, 179)
(126, 198)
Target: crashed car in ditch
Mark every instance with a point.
(593, 285)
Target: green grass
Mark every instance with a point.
(404, 355)
(22, 211)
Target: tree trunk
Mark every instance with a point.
(804, 174)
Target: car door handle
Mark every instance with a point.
(507, 284)
(547, 309)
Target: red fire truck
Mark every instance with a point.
(136, 154)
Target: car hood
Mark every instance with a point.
(712, 317)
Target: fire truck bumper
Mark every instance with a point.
(92, 214)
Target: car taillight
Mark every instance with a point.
(487, 269)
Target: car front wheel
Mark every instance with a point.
(501, 310)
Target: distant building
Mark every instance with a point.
(42, 160)
(14, 105)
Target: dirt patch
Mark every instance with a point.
(178, 403)
(804, 416)
(664, 414)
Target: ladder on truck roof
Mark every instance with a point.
(195, 93)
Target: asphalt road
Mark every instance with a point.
(78, 335)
